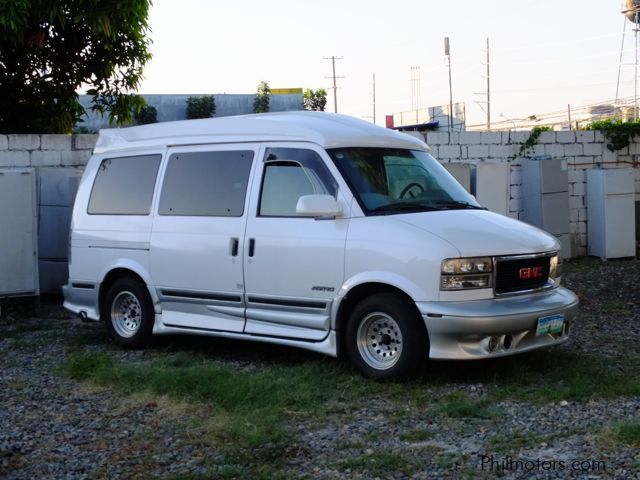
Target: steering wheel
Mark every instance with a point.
(408, 190)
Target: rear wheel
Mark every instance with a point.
(385, 337)
(128, 313)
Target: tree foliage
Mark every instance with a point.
(617, 132)
(51, 49)
(261, 100)
(201, 107)
(315, 100)
(146, 115)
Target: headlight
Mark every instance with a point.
(466, 273)
(555, 270)
(467, 265)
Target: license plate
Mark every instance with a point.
(550, 324)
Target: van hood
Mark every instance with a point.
(478, 233)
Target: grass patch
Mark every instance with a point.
(382, 462)
(13, 330)
(449, 460)
(615, 306)
(250, 408)
(515, 441)
(416, 435)
(459, 405)
(627, 434)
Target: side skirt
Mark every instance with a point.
(327, 346)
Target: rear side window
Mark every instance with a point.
(124, 186)
(206, 183)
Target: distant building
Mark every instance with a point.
(173, 107)
(431, 118)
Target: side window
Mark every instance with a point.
(124, 186)
(206, 183)
(290, 173)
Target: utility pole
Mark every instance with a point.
(374, 98)
(415, 89)
(488, 90)
(335, 87)
(447, 53)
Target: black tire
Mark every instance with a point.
(385, 337)
(128, 313)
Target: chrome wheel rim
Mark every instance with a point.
(126, 314)
(379, 340)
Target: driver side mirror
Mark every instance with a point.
(318, 206)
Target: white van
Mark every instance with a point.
(307, 229)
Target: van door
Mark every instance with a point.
(294, 265)
(196, 241)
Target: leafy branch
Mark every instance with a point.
(619, 134)
(526, 147)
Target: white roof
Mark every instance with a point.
(329, 130)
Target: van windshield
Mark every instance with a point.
(387, 181)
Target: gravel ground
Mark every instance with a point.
(55, 428)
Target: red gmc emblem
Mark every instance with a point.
(530, 273)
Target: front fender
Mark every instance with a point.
(412, 289)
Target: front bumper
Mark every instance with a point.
(495, 327)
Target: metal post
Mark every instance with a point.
(335, 88)
(447, 52)
(334, 76)
(624, 30)
(569, 115)
(635, 76)
(374, 98)
(488, 91)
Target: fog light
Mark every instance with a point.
(458, 282)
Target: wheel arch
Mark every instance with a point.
(116, 274)
(358, 293)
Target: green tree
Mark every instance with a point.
(51, 49)
(146, 115)
(315, 100)
(201, 107)
(261, 100)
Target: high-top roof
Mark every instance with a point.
(329, 130)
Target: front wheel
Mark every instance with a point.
(128, 313)
(385, 337)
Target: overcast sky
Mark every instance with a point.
(545, 54)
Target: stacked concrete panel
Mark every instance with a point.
(57, 191)
(18, 246)
(57, 163)
(611, 216)
(545, 198)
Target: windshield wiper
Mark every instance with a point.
(456, 204)
(405, 206)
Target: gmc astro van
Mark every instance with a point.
(306, 229)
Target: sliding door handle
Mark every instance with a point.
(252, 246)
(233, 246)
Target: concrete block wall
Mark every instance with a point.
(45, 150)
(579, 152)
